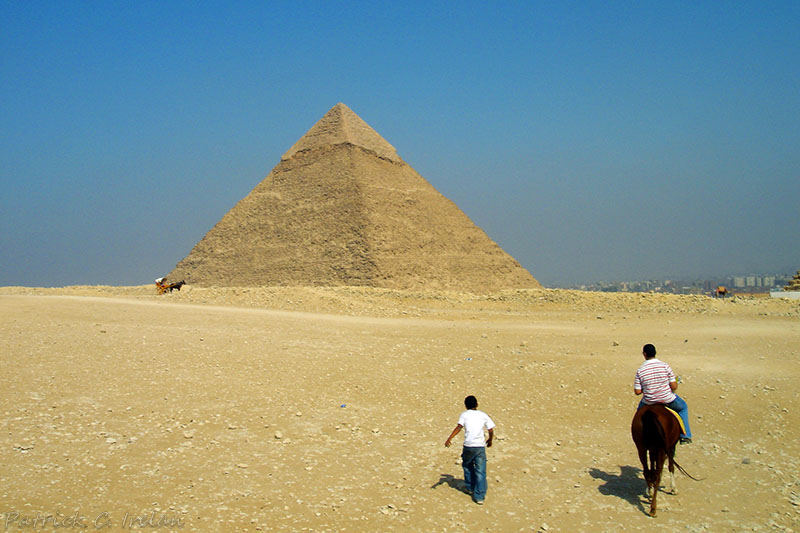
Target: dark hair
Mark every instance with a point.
(471, 402)
(649, 351)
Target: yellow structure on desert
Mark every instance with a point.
(342, 208)
(794, 284)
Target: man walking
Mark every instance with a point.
(473, 455)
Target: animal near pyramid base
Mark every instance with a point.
(342, 208)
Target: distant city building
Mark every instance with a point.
(750, 284)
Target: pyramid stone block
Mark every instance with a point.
(342, 208)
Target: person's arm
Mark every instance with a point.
(489, 440)
(673, 381)
(636, 391)
(453, 434)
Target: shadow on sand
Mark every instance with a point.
(628, 485)
(452, 482)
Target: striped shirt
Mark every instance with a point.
(653, 379)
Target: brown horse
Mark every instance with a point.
(656, 432)
(169, 287)
(176, 286)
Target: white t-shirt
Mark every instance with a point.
(473, 422)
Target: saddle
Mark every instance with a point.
(678, 417)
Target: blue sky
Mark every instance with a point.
(591, 140)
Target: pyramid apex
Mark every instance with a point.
(341, 125)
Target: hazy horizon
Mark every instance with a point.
(593, 142)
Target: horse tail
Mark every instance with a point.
(653, 433)
(684, 472)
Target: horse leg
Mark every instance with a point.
(659, 467)
(645, 469)
(672, 440)
(673, 489)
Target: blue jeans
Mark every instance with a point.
(680, 407)
(474, 462)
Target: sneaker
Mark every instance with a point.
(686, 440)
(479, 502)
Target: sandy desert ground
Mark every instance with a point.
(297, 409)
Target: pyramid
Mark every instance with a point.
(342, 208)
(794, 283)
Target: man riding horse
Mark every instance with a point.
(656, 382)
